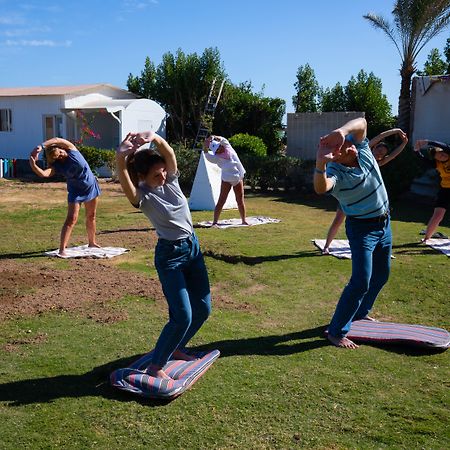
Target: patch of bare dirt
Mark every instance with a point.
(88, 288)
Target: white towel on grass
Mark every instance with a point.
(443, 245)
(84, 251)
(230, 223)
(340, 248)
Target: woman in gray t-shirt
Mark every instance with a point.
(150, 182)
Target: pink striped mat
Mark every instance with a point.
(399, 333)
(183, 374)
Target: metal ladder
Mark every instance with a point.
(210, 109)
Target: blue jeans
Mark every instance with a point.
(371, 246)
(184, 279)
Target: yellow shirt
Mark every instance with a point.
(444, 171)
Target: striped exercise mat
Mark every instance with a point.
(442, 245)
(84, 251)
(232, 223)
(399, 333)
(340, 248)
(183, 374)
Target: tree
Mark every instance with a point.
(243, 111)
(307, 87)
(447, 56)
(181, 84)
(333, 99)
(434, 65)
(415, 23)
(365, 93)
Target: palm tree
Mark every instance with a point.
(416, 22)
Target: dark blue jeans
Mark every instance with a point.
(184, 279)
(371, 246)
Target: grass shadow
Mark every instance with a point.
(414, 248)
(126, 230)
(254, 260)
(22, 255)
(91, 384)
(279, 345)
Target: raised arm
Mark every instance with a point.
(164, 149)
(397, 151)
(423, 142)
(126, 148)
(34, 156)
(377, 139)
(356, 127)
(322, 183)
(59, 142)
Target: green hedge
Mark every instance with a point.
(245, 144)
(97, 157)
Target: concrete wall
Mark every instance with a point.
(305, 129)
(431, 108)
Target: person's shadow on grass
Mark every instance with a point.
(96, 381)
(253, 260)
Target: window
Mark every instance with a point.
(52, 127)
(5, 120)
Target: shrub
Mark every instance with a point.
(245, 144)
(187, 162)
(97, 157)
(399, 173)
(272, 172)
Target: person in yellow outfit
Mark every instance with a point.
(440, 152)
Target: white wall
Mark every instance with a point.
(144, 115)
(27, 123)
(305, 129)
(431, 109)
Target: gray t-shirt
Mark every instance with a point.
(167, 209)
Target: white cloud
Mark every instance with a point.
(36, 43)
(138, 4)
(13, 19)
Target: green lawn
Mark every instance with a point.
(278, 384)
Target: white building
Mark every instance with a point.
(430, 108)
(305, 129)
(31, 115)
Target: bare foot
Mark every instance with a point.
(214, 225)
(369, 318)
(244, 222)
(326, 251)
(342, 342)
(62, 254)
(178, 354)
(157, 372)
(94, 244)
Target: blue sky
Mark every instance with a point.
(45, 42)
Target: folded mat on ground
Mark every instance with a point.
(230, 223)
(340, 248)
(442, 245)
(84, 251)
(183, 374)
(399, 333)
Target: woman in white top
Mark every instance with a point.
(219, 151)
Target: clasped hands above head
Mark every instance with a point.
(133, 141)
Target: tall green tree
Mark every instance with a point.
(434, 65)
(307, 90)
(180, 83)
(447, 55)
(415, 23)
(333, 99)
(365, 93)
(241, 110)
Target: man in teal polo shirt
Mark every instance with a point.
(347, 169)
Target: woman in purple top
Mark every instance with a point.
(63, 158)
